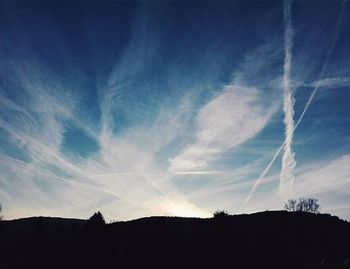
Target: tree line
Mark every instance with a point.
(302, 204)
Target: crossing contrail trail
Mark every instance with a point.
(312, 95)
(325, 64)
(262, 175)
(288, 161)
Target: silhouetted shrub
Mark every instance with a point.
(1, 216)
(96, 221)
(94, 240)
(302, 205)
(220, 214)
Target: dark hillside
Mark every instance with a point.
(272, 239)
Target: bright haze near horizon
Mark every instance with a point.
(173, 107)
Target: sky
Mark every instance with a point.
(173, 108)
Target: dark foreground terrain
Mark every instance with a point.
(272, 239)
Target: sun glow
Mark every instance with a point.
(184, 209)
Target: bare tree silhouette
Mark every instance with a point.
(302, 205)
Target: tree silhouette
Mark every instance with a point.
(95, 223)
(94, 240)
(97, 218)
(1, 216)
(220, 214)
(302, 205)
(290, 205)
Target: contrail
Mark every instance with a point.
(257, 182)
(323, 70)
(288, 161)
(325, 64)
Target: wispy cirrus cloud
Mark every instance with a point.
(330, 83)
(325, 83)
(228, 120)
(123, 177)
(168, 138)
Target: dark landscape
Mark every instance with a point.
(270, 239)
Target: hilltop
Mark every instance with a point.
(271, 239)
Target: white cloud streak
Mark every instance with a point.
(325, 83)
(228, 120)
(326, 62)
(318, 85)
(288, 160)
(331, 83)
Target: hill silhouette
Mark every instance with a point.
(271, 239)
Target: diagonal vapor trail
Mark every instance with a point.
(312, 95)
(288, 161)
(325, 64)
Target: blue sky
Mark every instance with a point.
(172, 108)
